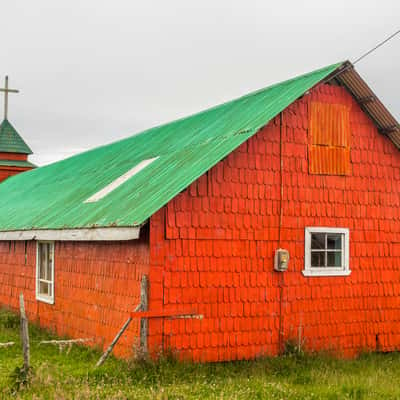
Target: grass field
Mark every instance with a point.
(73, 376)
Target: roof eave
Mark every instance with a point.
(368, 101)
(78, 234)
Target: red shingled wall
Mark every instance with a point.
(97, 285)
(6, 172)
(214, 250)
(13, 156)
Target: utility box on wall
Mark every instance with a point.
(281, 260)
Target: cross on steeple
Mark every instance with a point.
(6, 90)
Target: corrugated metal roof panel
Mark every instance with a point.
(329, 150)
(329, 124)
(53, 197)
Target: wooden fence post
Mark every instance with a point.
(144, 322)
(24, 334)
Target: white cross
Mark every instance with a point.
(6, 90)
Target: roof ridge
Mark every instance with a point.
(228, 102)
(53, 197)
(207, 110)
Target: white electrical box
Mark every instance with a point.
(281, 260)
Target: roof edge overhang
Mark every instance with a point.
(14, 151)
(80, 234)
(347, 76)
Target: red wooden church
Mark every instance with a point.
(13, 150)
(274, 216)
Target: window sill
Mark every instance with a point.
(326, 272)
(45, 299)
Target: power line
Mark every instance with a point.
(376, 47)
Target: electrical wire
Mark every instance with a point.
(376, 47)
(350, 65)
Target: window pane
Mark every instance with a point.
(44, 288)
(42, 271)
(334, 259)
(43, 257)
(49, 262)
(42, 262)
(318, 240)
(318, 259)
(49, 277)
(334, 241)
(50, 249)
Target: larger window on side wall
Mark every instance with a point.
(326, 252)
(45, 272)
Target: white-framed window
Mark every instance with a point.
(326, 252)
(45, 272)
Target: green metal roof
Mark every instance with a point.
(17, 163)
(53, 196)
(11, 141)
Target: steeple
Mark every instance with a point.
(13, 149)
(11, 141)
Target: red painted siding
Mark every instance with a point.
(13, 156)
(97, 285)
(6, 172)
(220, 235)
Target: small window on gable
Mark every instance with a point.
(329, 143)
(45, 272)
(326, 252)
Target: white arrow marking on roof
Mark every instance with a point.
(119, 181)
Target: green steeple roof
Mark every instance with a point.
(11, 141)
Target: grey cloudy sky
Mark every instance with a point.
(91, 71)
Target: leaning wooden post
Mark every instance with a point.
(24, 334)
(144, 322)
(114, 342)
(144, 285)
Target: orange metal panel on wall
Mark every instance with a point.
(329, 160)
(329, 148)
(330, 124)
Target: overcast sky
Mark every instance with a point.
(91, 71)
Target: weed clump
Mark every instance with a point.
(20, 378)
(9, 320)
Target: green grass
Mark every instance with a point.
(73, 376)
